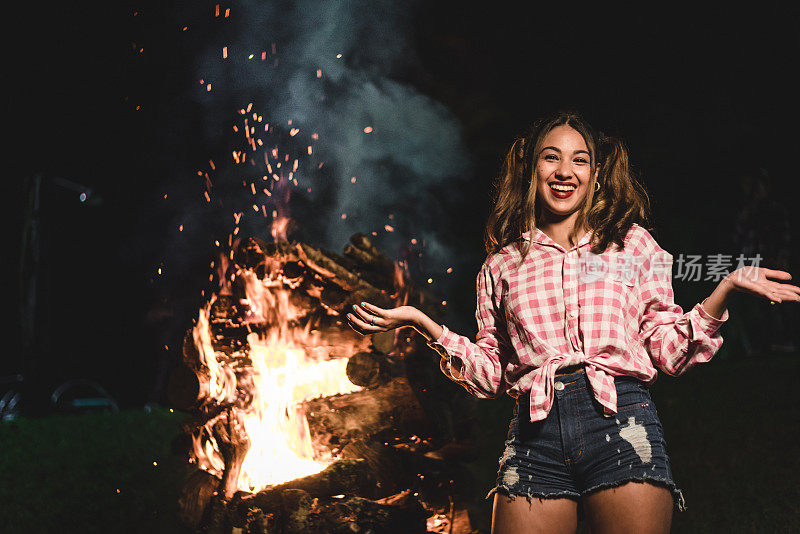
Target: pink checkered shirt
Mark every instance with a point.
(614, 312)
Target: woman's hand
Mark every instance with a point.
(368, 319)
(756, 281)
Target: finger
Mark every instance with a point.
(774, 297)
(774, 273)
(364, 325)
(765, 290)
(358, 330)
(788, 295)
(357, 321)
(375, 310)
(368, 317)
(371, 317)
(355, 327)
(789, 287)
(360, 312)
(778, 286)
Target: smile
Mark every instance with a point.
(562, 190)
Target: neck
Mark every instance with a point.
(558, 227)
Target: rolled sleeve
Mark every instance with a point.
(676, 340)
(448, 361)
(707, 322)
(480, 364)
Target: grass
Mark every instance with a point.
(91, 473)
(732, 430)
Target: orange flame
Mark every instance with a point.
(288, 366)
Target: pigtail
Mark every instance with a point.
(506, 220)
(620, 200)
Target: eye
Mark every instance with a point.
(581, 160)
(550, 157)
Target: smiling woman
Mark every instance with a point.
(560, 153)
(576, 314)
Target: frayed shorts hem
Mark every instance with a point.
(512, 493)
(677, 494)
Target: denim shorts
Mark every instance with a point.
(576, 450)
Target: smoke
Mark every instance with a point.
(333, 69)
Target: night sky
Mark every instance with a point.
(107, 95)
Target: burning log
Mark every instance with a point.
(233, 443)
(258, 353)
(362, 250)
(291, 514)
(204, 498)
(400, 513)
(371, 369)
(349, 477)
(186, 387)
(331, 268)
(327, 267)
(293, 511)
(385, 463)
(389, 410)
(195, 497)
(352, 477)
(383, 341)
(366, 257)
(369, 262)
(325, 503)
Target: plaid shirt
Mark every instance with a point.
(614, 312)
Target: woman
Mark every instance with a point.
(575, 313)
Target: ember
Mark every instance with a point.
(300, 424)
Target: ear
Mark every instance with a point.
(596, 171)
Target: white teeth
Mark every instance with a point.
(559, 187)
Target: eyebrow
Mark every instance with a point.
(559, 150)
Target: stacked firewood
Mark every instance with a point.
(391, 475)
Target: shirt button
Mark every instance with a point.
(559, 385)
(573, 314)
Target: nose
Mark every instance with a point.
(564, 170)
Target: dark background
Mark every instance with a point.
(701, 98)
(104, 94)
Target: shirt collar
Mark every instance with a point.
(544, 239)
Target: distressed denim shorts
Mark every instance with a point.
(576, 450)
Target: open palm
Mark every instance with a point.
(762, 282)
(368, 318)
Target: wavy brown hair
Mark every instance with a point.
(609, 212)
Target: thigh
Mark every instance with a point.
(533, 516)
(632, 507)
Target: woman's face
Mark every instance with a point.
(564, 171)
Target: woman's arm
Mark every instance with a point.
(432, 331)
(677, 340)
(753, 280)
(478, 366)
(717, 302)
(426, 326)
